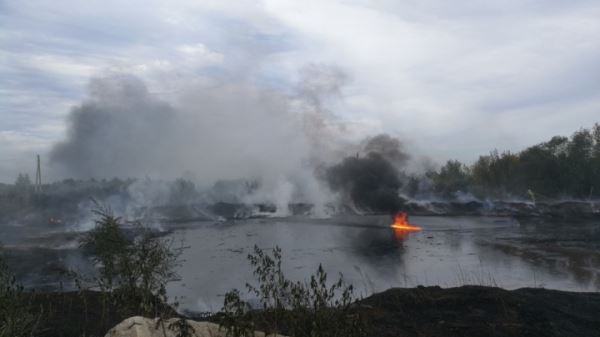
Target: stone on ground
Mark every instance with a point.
(146, 327)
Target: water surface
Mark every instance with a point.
(449, 251)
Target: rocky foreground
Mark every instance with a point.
(423, 311)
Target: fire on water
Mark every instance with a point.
(401, 223)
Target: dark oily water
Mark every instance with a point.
(449, 251)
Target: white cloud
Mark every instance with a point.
(438, 75)
(456, 79)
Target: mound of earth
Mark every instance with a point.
(477, 311)
(81, 313)
(473, 311)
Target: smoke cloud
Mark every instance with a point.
(372, 182)
(224, 131)
(233, 132)
(389, 148)
(118, 132)
(369, 183)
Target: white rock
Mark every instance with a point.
(146, 327)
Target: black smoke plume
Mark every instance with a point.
(388, 147)
(118, 132)
(369, 183)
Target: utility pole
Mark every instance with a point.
(38, 176)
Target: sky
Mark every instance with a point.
(451, 79)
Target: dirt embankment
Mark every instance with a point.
(80, 313)
(476, 311)
(472, 311)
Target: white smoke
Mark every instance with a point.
(222, 131)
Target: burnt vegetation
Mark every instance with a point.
(21, 202)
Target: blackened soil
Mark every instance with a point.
(82, 313)
(468, 311)
(475, 311)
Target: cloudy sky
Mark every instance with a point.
(453, 79)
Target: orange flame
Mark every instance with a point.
(401, 223)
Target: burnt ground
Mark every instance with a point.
(471, 311)
(81, 313)
(481, 311)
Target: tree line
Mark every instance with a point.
(558, 168)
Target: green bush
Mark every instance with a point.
(134, 270)
(299, 309)
(16, 317)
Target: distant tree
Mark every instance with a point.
(182, 192)
(560, 167)
(558, 146)
(23, 181)
(578, 165)
(539, 171)
(596, 140)
(452, 177)
(595, 165)
(503, 169)
(23, 187)
(413, 186)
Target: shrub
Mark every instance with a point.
(133, 269)
(16, 316)
(299, 309)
